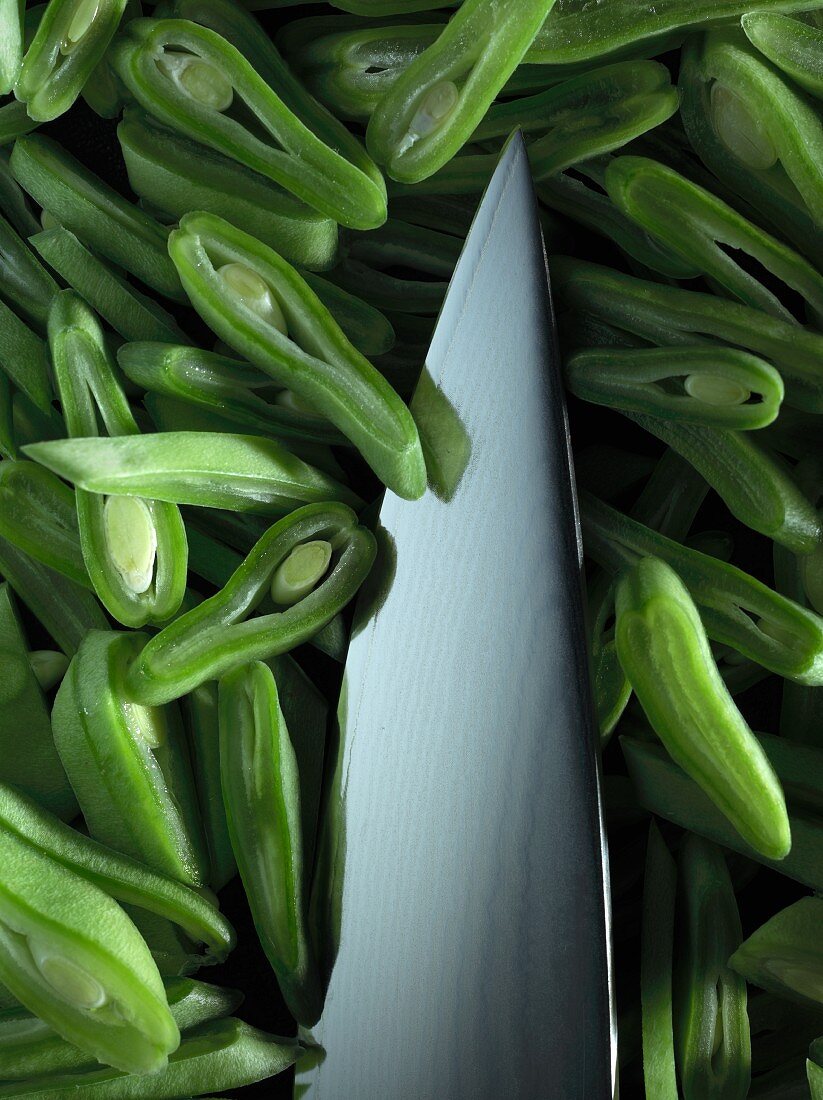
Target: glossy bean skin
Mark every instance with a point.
(794, 46)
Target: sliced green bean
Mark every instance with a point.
(14, 119)
(194, 97)
(261, 791)
(224, 1054)
(214, 637)
(390, 292)
(714, 1048)
(177, 175)
(793, 46)
(656, 963)
(23, 358)
(200, 708)
(130, 313)
(31, 425)
(134, 550)
(783, 955)
(128, 765)
(11, 43)
(100, 217)
(736, 609)
(671, 316)
(663, 648)
(24, 283)
(814, 1069)
(433, 107)
(70, 42)
(13, 202)
(250, 309)
(369, 330)
(782, 1030)
(49, 667)
(711, 386)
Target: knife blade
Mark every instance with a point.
(460, 896)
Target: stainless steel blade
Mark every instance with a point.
(460, 895)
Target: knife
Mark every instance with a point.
(460, 898)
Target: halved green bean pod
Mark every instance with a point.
(14, 119)
(200, 709)
(718, 387)
(737, 610)
(24, 282)
(433, 107)
(132, 883)
(216, 636)
(227, 386)
(397, 243)
(360, 321)
(714, 1047)
(128, 764)
(103, 92)
(258, 304)
(209, 469)
(134, 550)
(30, 1048)
(223, 1054)
(784, 954)
(669, 316)
(754, 485)
(67, 610)
(703, 229)
(69, 43)
(574, 32)
(131, 314)
(38, 771)
(261, 792)
(11, 42)
(793, 46)
(23, 358)
(758, 134)
(188, 77)
(177, 175)
(38, 515)
(99, 216)
(662, 647)
(390, 292)
(656, 964)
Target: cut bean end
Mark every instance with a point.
(84, 16)
(131, 540)
(197, 79)
(255, 293)
(738, 129)
(297, 576)
(67, 979)
(435, 107)
(714, 390)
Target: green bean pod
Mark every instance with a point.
(703, 230)
(14, 119)
(782, 1031)
(128, 764)
(784, 954)
(656, 963)
(38, 516)
(793, 46)
(135, 551)
(13, 204)
(814, 1069)
(759, 135)
(81, 967)
(663, 648)
(69, 43)
(49, 667)
(390, 292)
(200, 709)
(261, 792)
(227, 386)
(714, 1042)
(223, 1054)
(716, 387)
(11, 42)
(24, 282)
(669, 316)
(100, 217)
(177, 175)
(737, 610)
(209, 469)
(194, 97)
(23, 358)
(249, 295)
(367, 329)
(38, 771)
(433, 107)
(215, 637)
(131, 314)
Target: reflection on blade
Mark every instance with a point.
(459, 900)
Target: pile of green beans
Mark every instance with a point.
(209, 377)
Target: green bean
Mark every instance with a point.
(200, 710)
(445, 214)
(736, 609)
(212, 469)
(713, 387)
(224, 1054)
(250, 308)
(130, 313)
(814, 1069)
(714, 1048)
(671, 316)
(390, 292)
(100, 217)
(70, 42)
(261, 791)
(214, 638)
(177, 175)
(128, 765)
(25, 282)
(198, 105)
(23, 358)
(791, 45)
(49, 667)
(783, 955)
(656, 970)
(703, 230)
(369, 330)
(433, 107)
(663, 648)
(11, 43)
(31, 425)
(134, 550)
(13, 200)
(782, 1029)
